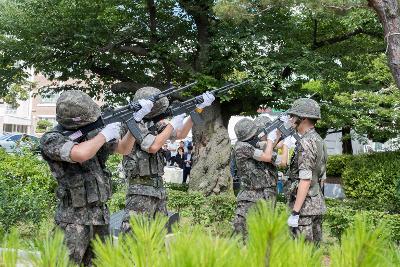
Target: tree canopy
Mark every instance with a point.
(288, 49)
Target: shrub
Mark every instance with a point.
(201, 209)
(177, 187)
(371, 180)
(43, 126)
(341, 216)
(113, 165)
(117, 202)
(27, 189)
(268, 244)
(336, 164)
(363, 246)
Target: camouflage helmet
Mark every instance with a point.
(245, 129)
(305, 108)
(261, 122)
(160, 105)
(75, 109)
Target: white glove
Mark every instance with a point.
(272, 135)
(177, 121)
(288, 141)
(293, 220)
(208, 98)
(111, 131)
(284, 118)
(147, 105)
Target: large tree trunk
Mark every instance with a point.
(347, 148)
(388, 13)
(210, 173)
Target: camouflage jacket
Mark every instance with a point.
(309, 162)
(253, 173)
(83, 188)
(143, 170)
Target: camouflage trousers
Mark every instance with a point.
(78, 237)
(142, 204)
(245, 201)
(310, 227)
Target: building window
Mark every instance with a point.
(50, 99)
(15, 128)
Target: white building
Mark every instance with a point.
(18, 119)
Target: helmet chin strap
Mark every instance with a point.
(298, 121)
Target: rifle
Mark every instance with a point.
(285, 129)
(123, 114)
(189, 105)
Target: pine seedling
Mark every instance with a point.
(194, 247)
(269, 242)
(52, 251)
(144, 246)
(268, 236)
(110, 254)
(10, 244)
(362, 246)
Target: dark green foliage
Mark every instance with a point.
(287, 49)
(43, 126)
(27, 189)
(203, 210)
(341, 215)
(371, 181)
(336, 165)
(114, 167)
(177, 187)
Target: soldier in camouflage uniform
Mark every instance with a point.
(307, 172)
(256, 183)
(84, 184)
(144, 166)
(270, 167)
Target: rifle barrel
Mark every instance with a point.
(173, 90)
(228, 87)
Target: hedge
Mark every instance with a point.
(340, 216)
(371, 180)
(27, 189)
(203, 210)
(336, 164)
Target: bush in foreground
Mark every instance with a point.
(269, 244)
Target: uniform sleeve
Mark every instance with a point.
(307, 159)
(248, 151)
(148, 138)
(57, 147)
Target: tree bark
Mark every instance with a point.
(347, 148)
(210, 173)
(388, 13)
(201, 12)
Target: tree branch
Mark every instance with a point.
(137, 50)
(152, 20)
(341, 38)
(315, 32)
(200, 11)
(109, 72)
(343, 10)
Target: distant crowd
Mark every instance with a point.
(179, 156)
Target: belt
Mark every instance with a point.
(154, 181)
